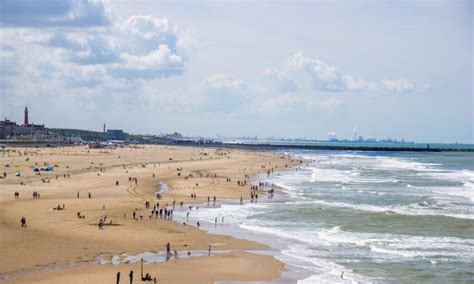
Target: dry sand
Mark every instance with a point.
(58, 237)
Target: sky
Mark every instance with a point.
(308, 69)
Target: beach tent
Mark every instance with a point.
(47, 169)
(36, 169)
(17, 174)
(7, 165)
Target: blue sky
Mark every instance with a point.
(268, 68)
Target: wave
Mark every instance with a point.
(292, 191)
(382, 247)
(326, 271)
(414, 209)
(404, 246)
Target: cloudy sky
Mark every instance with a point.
(271, 68)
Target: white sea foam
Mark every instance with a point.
(414, 209)
(326, 271)
(292, 191)
(402, 245)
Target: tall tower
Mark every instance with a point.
(25, 120)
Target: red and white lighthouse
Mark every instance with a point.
(25, 120)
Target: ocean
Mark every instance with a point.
(365, 217)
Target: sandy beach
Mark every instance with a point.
(58, 247)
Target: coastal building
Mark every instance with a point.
(115, 134)
(7, 128)
(10, 128)
(28, 128)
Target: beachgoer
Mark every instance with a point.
(130, 275)
(118, 277)
(168, 251)
(23, 222)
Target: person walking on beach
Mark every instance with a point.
(23, 222)
(168, 251)
(130, 275)
(77, 195)
(214, 200)
(118, 278)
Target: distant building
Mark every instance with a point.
(174, 135)
(115, 134)
(25, 119)
(7, 128)
(28, 128)
(10, 128)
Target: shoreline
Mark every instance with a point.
(275, 246)
(245, 250)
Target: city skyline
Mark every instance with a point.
(332, 137)
(204, 69)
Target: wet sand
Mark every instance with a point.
(57, 238)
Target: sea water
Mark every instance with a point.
(368, 217)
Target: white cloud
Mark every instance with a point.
(225, 82)
(161, 58)
(325, 77)
(283, 80)
(140, 47)
(224, 93)
(400, 85)
(148, 27)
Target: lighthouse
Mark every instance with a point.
(25, 120)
